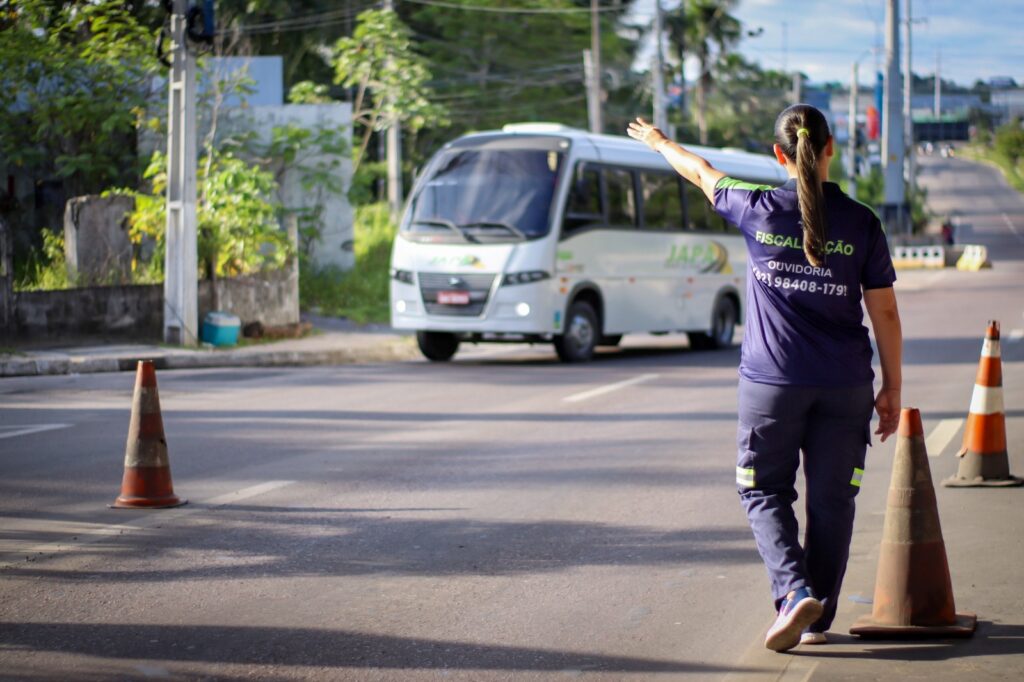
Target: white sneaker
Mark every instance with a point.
(796, 614)
(813, 638)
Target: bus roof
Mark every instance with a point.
(620, 149)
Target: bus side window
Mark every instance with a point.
(663, 209)
(584, 206)
(621, 199)
(699, 213)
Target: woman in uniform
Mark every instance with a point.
(805, 367)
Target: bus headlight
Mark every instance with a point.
(513, 278)
(401, 275)
(523, 309)
(399, 307)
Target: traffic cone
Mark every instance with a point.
(983, 458)
(913, 590)
(147, 470)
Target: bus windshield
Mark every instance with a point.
(490, 193)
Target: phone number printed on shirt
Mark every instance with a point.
(799, 284)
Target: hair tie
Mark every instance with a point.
(802, 131)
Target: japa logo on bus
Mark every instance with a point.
(708, 257)
(467, 261)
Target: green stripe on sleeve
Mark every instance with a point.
(732, 183)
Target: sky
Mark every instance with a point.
(822, 38)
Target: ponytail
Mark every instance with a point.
(802, 133)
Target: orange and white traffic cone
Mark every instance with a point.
(913, 589)
(147, 469)
(983, 457)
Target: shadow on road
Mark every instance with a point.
(991, 639)
(242, 543)
(283, 646)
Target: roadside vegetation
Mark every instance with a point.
(1003, 148)
(360, 294)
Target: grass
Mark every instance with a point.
(360, 294)
(1013, 172)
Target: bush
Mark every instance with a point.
(361, 294)
(46, 270)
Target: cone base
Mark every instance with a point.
(868, 628)
(957, 482)
(147, 502)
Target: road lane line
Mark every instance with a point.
(941, 436)
(1013, 228)
(602, 390)
(164, 517)
(26, 430)
(1016, 335)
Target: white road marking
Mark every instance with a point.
(941, 436)
(86, 534)
(1016, 335)
(1013, 228)
(26, 430)
(602, 390)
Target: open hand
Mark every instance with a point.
(646, 133)
(887, 404)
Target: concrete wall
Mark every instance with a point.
(336, 224)
(97, 247)
(137, 311)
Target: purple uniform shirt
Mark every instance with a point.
(804, 324)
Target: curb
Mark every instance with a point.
(392, 351)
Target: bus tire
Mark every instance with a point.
(581, 334)
(437, 346)
(723, 327)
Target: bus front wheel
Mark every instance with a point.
(581, 334)
(723, 326)
(437, 346)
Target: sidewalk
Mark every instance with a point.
(334, 342)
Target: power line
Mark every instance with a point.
(514, 10)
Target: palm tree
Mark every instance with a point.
(694, 29)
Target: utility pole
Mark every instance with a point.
(894, 202)
(593, 96)
(394, 154)
(938, 83)
(596, 118)
(851, 130)
(798, 88)
(660, 119)
(181, 287)
(908, 101)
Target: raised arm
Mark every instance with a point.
(885, 320)
(694, 168)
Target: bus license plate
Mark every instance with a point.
(453, 297)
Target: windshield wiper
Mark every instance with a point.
(449, 225)
(504, 226)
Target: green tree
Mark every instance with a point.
(695, 29)
(237, 229)
(75, 76)
(389, 76)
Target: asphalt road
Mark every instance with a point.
(499, 517)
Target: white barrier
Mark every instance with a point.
(911, 257)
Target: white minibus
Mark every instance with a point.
(542, 233)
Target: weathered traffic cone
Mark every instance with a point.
(913, 590)
(147, 470)
(983, 457)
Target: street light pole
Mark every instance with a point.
(658, 81)
(894, 201)
(181, 287)
(596, 119)
(851, 130)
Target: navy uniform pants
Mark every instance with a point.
(832, 428)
